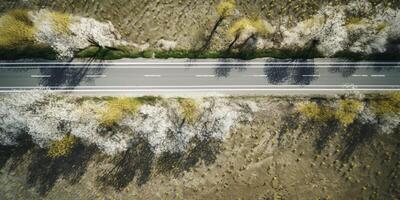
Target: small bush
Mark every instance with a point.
(239, 26)
(63, 147)
(189, 110)
(386, 104)
(380, 27)
(117, 109)
(316, 112)
(348, 111)
(354, 21)
(149, 99)
(148, 54)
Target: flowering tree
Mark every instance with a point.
(224, 9)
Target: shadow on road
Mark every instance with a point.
(224, 70)
(67, 76)
(291, 73)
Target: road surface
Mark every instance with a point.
(201, 76)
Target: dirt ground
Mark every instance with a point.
(278, 155)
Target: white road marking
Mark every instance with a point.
(185, 66)
(200, 63)
(314, 75)
(40, 76)
(152, 75)
(208, 90)
(378, 75)
(208, 86)
(360, 75)
(205, 76)
(260, 75)
(96, 76)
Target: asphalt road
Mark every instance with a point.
(203, 76)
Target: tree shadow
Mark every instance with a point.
(15, 153)
(67, 76)
(223, 70)
(357, 134)
(325, 134)
(345, 71)
(138, 162)
(135, 162)
(303, 75)
(43, 171)
(290, 73)
(200, 150)
(276, 75)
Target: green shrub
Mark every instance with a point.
(149, 99)
(148, 54)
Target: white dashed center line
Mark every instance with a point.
(314, 75)
(260, 75)
(40, 76)
(382, 75)
(360, 75)
(152, 75)
(205, 76)
(96, 76)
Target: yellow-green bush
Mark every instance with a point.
(316, 112)
(226, 8)
(61, 22)
(262, 27)
(258, 26)
(117, 109)
(239, 26)
(380, 27)
(386, 104)
(63, 147)
(16, 29)
(348, 111)
(189, 110)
